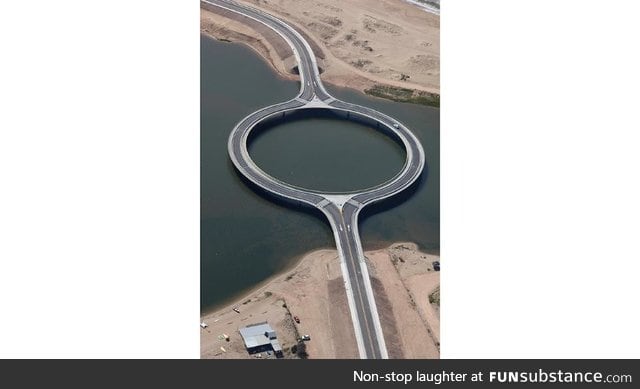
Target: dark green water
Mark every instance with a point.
(323, 151)
(246, 238)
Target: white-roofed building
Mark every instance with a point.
(260, 337)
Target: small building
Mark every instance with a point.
(260, 337)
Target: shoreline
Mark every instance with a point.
(309, 298)
(295, 264)
(426, 7)
(244, 294)
(366, 72)
(259, 54)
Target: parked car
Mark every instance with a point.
(306, 337)
(436, 265)
(297, 319)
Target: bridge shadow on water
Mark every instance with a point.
(367, 212)
(394, 201)
(278, 200)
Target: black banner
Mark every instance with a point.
(313, 373)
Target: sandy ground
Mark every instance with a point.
(415, 270)
(363, 42)
(313, 291)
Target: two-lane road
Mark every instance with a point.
(344, 225)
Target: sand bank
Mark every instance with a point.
(403, 279)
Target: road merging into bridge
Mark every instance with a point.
(342, 209)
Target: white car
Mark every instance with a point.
(396, 125)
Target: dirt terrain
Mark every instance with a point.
(385, 47)
(402, 278)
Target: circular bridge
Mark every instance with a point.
(238, 151)
(341, 209)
